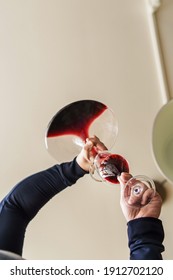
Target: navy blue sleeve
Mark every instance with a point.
(24, 201)
(145, 239)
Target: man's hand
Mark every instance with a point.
(92, 146)
(129, 202)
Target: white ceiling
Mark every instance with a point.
(58, 51)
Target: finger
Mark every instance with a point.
(135, 200)
(147, 196)
(94, 139)
(87, 149)
(125, 188)
(100, 145)
(97, 142)
(97, 145)
(122, 187)
(124, 178)
(157, 197)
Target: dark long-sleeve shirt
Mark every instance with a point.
(145, 239)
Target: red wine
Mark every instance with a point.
(76, 118)
(112, 165)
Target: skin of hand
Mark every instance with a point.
(127, 200)
(92, 146)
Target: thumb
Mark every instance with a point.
(123, 179)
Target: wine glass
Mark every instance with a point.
(138, 191)
(106, 167)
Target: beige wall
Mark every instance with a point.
(58, 51)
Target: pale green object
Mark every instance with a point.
(162, 141)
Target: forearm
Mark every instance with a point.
(33, 192)
(28, 197)
(145, 239)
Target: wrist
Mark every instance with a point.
(83, 164)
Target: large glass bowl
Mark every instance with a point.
(71, 125)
